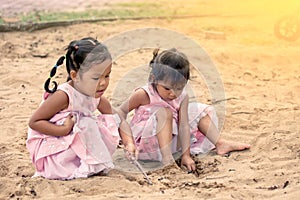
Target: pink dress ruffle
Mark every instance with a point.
(85, 151)
(144, 123)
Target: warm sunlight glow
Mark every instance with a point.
(267, 7)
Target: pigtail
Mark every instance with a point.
(70, 58)
(52, 73)
(68, 64)
(155, 53)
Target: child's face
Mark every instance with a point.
(169, 92)
(94, 81)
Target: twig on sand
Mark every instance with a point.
(137, 164)
(220, 100)
(218, 177)
(45, 55)
(123, 196)
(242, 112)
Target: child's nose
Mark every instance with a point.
(102, 82)
(176, 92)
(173, 93)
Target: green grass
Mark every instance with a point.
(138, 5)
(120, 10)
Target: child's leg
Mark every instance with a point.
(164, 134)
(208, 128)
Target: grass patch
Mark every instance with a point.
(138, 5)
(120, 10)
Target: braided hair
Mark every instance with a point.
(80, 56)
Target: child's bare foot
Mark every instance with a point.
(226, 146)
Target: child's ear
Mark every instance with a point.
(73, 75)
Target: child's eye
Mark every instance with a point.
(96, 79)
(107, 76)
(166, 88)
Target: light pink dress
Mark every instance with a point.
(85, 151)
(144, 122)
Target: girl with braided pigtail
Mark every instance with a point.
(66, 138)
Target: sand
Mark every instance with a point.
(260, 75)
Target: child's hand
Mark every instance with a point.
(130, 151)
(188, 162)
(68, 124)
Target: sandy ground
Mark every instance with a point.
(260, 75)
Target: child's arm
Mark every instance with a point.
(138, 98)
(104, 106)
(39, 121)
(184, 135)
(124, 131)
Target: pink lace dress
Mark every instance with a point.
(144, 122)
(85, 151)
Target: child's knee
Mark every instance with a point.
(210, 112)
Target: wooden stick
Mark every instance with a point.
(138, 165)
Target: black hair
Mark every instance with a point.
(79, 57)
(170, 65)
